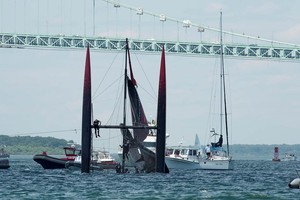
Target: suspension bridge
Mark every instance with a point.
(247, 47)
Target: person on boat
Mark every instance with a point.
(219, 143)
(96, 127)
(136, 169)
(118, 168)
(207, 151)
(126, 147)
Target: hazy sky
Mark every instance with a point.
(41, 90)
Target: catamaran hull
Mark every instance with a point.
(216, 164)
(178, 163)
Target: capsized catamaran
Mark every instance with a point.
(143, 157)
(217, 157)
(146, 160)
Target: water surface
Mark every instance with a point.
(249, 180)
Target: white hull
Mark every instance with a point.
(290, 157)
(295, 183)
(216, 164)
(178, 163)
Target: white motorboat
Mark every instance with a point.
(289, 157)
(104, 160)
(100, 160)
(183, 157)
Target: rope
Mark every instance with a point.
(43, 132)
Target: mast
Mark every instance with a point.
(223, 90)
(124, 106)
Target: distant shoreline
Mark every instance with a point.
(27, 145)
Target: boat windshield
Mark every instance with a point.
(192, 152)
(169, 152)
(70, 151)
(183, 152)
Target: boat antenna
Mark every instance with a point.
(124, 108)
(223, 84)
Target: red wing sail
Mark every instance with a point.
(137, 113)
(86, 116)
(161, 118)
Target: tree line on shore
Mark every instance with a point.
(28, 145)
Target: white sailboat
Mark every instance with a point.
(218, 157)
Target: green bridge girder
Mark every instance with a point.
(240, 51)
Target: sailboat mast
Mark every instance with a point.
(221, 77)
(223, 85)
(124, 106)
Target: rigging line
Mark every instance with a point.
(107, 19)
(145, 74)
(118, 102)
(212, 109)
(154, 31)
(229, 112)
(42, 132)
(115, 107)
(118, 98)
(112, 137)
(178, 21)
(114, 82)
(106, 73)
(153, 97)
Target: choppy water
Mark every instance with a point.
(249, 180)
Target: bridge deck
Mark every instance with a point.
(253, 51)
